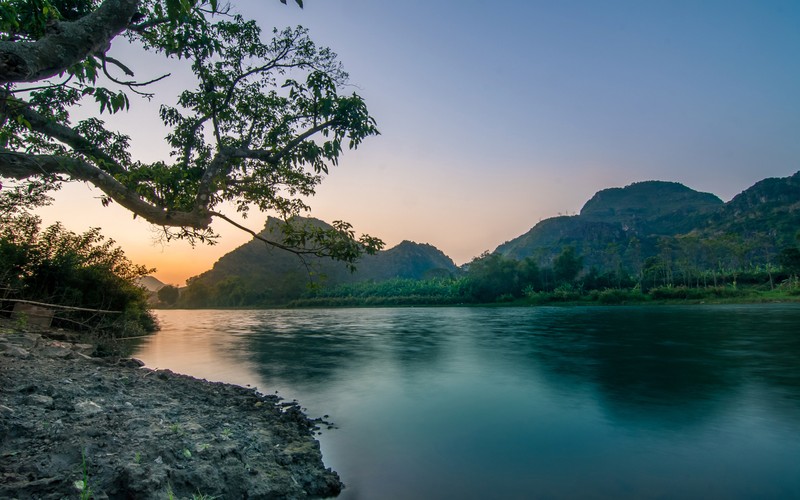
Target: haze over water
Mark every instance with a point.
(592, 402)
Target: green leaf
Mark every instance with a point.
(173, 10)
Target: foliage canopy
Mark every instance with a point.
(261, 124)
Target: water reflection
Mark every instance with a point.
(313, 347)
(662, 363)
(483, 402)
(204, 344)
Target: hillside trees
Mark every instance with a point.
(789, 259)
(260, 125)
(491, 276)
(168, 295)
(567, 265)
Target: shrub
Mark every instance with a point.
(617, 296)
(60, 267)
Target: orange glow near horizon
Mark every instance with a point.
(461, 216)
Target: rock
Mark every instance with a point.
(86, 349)
(57, 352)
(41, 400)
(130, 363)
(29, 340)
(17, 352)
(59, 411)
(88, 407)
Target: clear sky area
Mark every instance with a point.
(497, 114)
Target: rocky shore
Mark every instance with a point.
(77, 426)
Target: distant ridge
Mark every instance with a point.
(648, 200)
(255, 274)
(644, 225)
(625, 226)
(770, 206)
(150, 283)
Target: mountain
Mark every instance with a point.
(655, 207)
(627, 225)
(258, 274)
(769, 210)
(150, 283)
(406, 260)
(642, 227)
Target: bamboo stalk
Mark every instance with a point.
(69, 308)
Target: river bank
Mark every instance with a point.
(76, 426)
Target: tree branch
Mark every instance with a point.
(131, 84)
(66, 135)
(218, 164)
(68, 44)
(117, 63)
(272, 156)
(257, 236)
(22, 166)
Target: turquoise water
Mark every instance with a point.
(589, 402)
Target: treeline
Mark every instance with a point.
(235, 291)
(493, 278)
(685, 267)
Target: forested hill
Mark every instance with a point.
(624, 226)
(256, 274)
(769, 210)
(657, 205)
(650, 228)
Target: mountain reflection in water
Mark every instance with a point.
(595, 402)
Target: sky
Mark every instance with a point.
(496, 115)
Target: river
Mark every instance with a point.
(507, 402)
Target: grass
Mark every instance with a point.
(83, 484)
(195, 496)
(665, 295)
(202, 496)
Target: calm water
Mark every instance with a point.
(666, 402)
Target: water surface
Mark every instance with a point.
(591, 402)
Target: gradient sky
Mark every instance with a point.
(495, 115)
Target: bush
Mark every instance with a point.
(684, 293)
(617, 296)
(63, 268)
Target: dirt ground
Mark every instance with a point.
(75, 426)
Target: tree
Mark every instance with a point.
(262, 124)
(490, 277)
(529, 275)
(168, 294)
(567, 265)
(789, 259)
